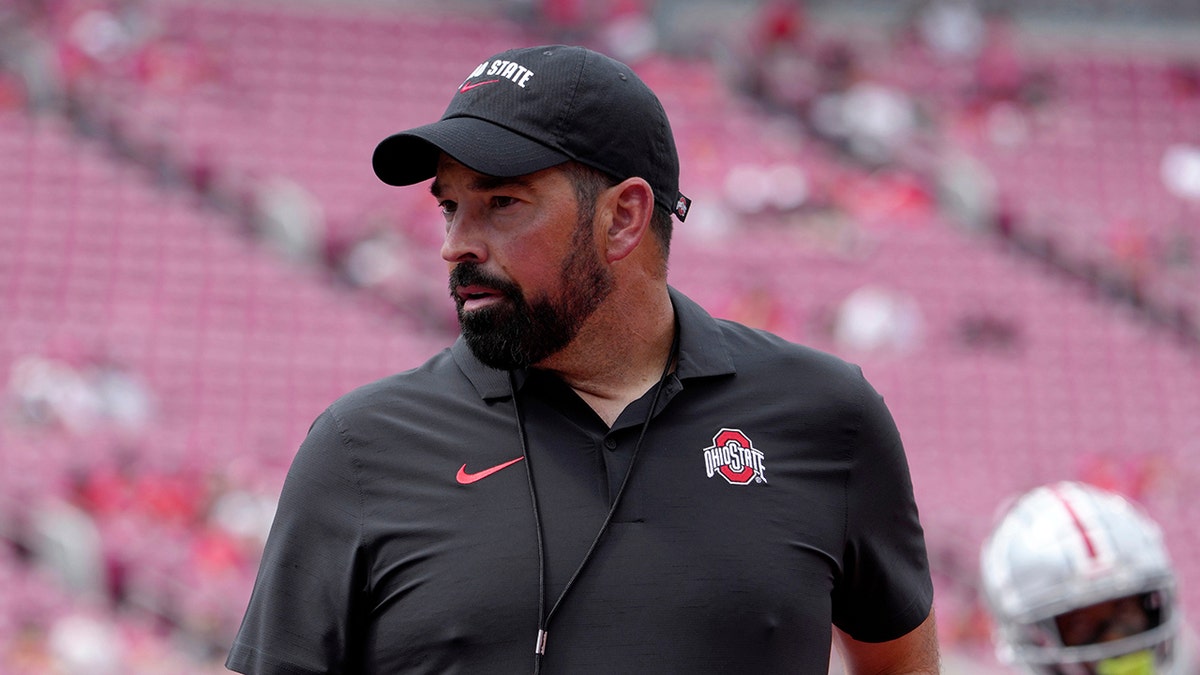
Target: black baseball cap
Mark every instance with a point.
(525, 110)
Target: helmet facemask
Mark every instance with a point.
(1133, 635)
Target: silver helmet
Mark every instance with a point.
(1062, 551)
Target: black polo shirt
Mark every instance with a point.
(769, 498)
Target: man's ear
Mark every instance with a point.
(631, 205)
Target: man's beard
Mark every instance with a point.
(516, 332)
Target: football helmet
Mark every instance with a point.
(1071, 552)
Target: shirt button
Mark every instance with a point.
(610, 443)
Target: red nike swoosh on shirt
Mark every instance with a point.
(469, 87)
(465, 478)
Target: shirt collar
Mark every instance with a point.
(702, 348)
(702, 352)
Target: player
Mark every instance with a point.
(1079, 582)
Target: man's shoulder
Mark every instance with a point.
(722, 346)
(422, 387)
(756, 351)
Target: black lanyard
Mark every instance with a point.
(544, 617)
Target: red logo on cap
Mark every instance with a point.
(468, 87)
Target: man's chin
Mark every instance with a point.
(493, 350)
(503, 340)
(486, 318)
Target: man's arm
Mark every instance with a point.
(913, 654)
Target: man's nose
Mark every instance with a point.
(463, 242)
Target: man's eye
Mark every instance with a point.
(447, 207)
(501, 202)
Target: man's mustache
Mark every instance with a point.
(471, 274)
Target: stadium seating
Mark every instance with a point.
(104, 260)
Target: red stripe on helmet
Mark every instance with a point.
(1083, 533)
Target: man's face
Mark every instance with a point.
(525, 272)
(1104, 622)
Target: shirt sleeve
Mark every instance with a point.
(310, 580)
(885, 590)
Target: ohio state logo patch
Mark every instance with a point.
(733, 457)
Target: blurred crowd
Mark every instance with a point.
(116, 559)
(900, 142)
(58, 49)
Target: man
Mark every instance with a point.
(1079, 582)
(597, 476)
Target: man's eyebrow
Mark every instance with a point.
(487, 183)
(483, 183)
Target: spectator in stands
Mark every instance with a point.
(781, 24)
(65, 543)
(871, 121)
(875, 319)
(567, 21)
(1184, 79)
(628, 31)
(78, 397)
(125, 400)
(1079, 580)
(86, 641)
(288, 218)
(983, 330)
(999, 73)
(776, 63)
(403, 540)
(1180, 170)
(951, 29)
(243, 512)
(1179, 249)
(1005, 91)
(384, 260)
(52, 393)
(967, 191)
(27, 50)
(1133, 252)
(757, 189)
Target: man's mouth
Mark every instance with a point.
(472, 297)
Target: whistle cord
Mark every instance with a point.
(545, 617)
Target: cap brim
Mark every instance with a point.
(411, 156)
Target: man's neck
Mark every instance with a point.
(619, 355)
